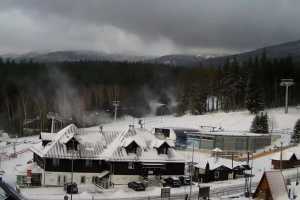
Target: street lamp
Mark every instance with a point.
(115, 104)
(286, 83)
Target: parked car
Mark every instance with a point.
(137, 186)
(172, 182)
(185, 180)
(71, 188)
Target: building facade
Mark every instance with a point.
(227, 141)
(104, 158)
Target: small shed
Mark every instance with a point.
(271, 187)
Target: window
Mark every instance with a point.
(65, 179)
(82, 180)
(217, 174)
(55, 162)
(58, 180)
(72, 144)
(130, 165)
(94, 178)
(88, 163)
(163, 149)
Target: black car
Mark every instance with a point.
(172, 182)
(137, 186)
(185, 180)
(71, 188)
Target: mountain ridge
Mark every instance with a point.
(281, 50)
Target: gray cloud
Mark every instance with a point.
(147, 27)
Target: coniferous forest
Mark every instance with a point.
(31, 90)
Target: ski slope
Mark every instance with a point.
(240, 120)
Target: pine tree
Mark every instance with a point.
(264, 123)
(260, 123)
(198, 98)
(296, 135)
(254, 95)
(254, 125)
(182, 100)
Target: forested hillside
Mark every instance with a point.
(30, 90)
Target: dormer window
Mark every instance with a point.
(163, 149)
(46, 138)
(45, 142)
(72, 145)
(132, 147)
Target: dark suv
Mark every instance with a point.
(137, 186)
(71, 188)
(172, 182)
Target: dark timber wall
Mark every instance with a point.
(122, 168)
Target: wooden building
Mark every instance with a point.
(218, 169)
(287, 160)
(104, 157)
(271, 187)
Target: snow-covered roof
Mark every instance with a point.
(232, 133)
(86, 149)
(216, 163)
(47, 136)
(147, 151)
(107, 145)
(157, 143)
(288, 153)
(127, 141)
(276, 184)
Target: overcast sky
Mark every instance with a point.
(147, 27)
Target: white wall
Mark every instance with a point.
(124, 179)
(51, 178)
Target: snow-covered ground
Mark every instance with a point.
(281, 125)
(239, 121)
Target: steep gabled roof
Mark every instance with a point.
(92, 150)
(274, 184)
(107, 145)
(287, 154)
(157, 143)
(216, 163)
(147, 153)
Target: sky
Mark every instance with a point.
(147, 27)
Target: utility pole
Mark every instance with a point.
(250, 185)
(281, 156)
(72, 163)
(247, 177)
(191, 172)
(286, 83)
(116, 104)
(297, 181)
(52, 124)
